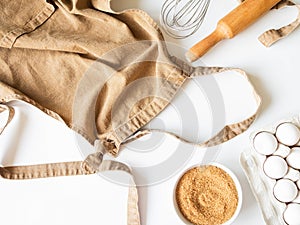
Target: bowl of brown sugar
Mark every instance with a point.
(208, 195)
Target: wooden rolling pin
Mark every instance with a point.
(232, 24)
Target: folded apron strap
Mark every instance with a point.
(42, 170)
(269, 37)
(8, 119)
(229, 131)
(94, 163)
(76, 168)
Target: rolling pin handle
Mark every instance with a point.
(204, 46)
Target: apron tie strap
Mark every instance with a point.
(8, 119)
(269, 37)
(94, 163)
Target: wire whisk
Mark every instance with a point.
(182, 18)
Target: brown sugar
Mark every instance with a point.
(206, 195)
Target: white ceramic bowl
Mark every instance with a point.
(238, 187)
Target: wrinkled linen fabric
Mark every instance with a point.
(47, 48)
(104, 74)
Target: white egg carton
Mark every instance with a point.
(272, 166)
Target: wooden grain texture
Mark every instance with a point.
(232, 24)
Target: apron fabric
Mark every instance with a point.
(85, 65)
(270, 37)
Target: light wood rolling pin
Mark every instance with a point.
(232, 24)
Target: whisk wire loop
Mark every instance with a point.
(182, 18)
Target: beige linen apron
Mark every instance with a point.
(83, 64)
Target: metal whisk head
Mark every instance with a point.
(182, 18)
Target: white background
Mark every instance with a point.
(33, 137)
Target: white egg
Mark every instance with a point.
(292, 214)
(293, 158)
(297, 200)
(292, 174)
(285, 190)
(265, 143)
(282, 151)
(275, 167)
(288, 134)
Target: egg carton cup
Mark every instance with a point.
(262, 186)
